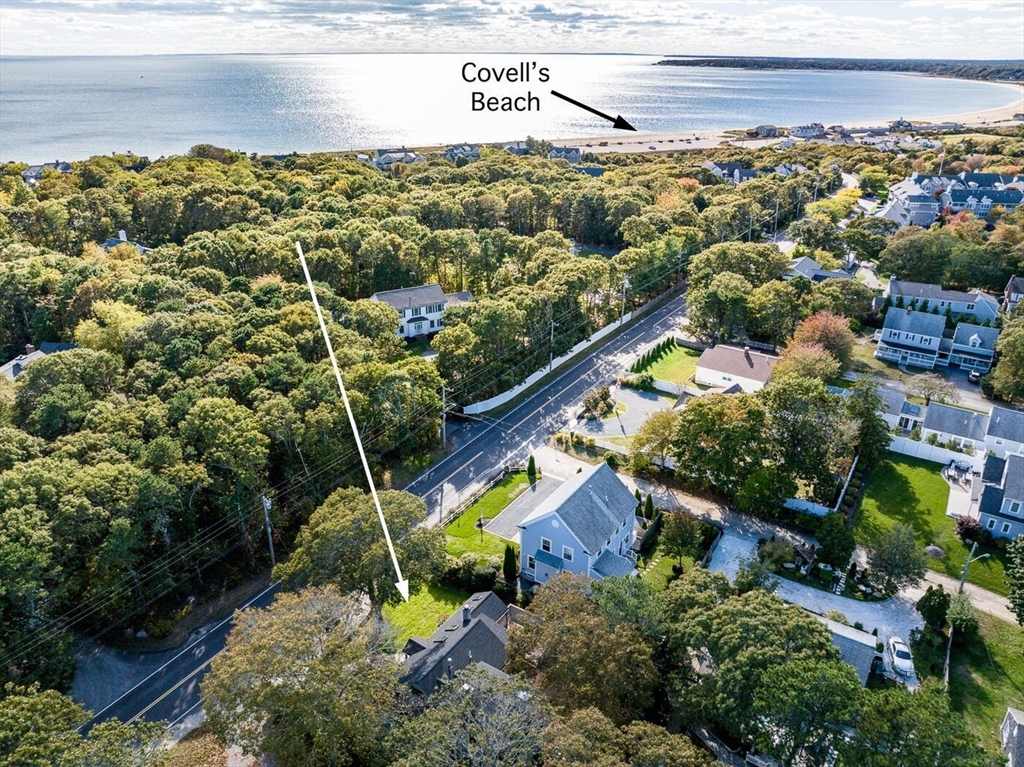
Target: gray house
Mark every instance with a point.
(1005, 433)
(973, 347)
(812, 270)
(584, 527)
(476, 633)
(911, 338)
(568, 153)
(1011, 736)
(925, 296)
(11, 370)
(997, 500)
(955, 424)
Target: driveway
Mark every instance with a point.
(506, 524)
(639, 406)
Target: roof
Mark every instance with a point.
(547, 558)
(1016, 284)
(812, 270)
(909, 321)
(892, 401)
(744, 363)
(592, 504)
(411, 298)
(936, 292)
(1013, 479)
(956, 421)
(991, 501)
(462, 297)
(12, 369)
(458, 643)
(996, 196)
(965, 333)
(992, 470)
(1006, 424)
(611, 564)
(857, 647)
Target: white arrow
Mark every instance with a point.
(402, 584)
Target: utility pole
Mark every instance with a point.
(750, 228)
(963, 579)
(551, 338)
(270, 538)
(625, 286)
(775, 229)
(444, 418)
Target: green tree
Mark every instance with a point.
(836, 543)
(681, 534)
(895, 559)
(963, 618)
(765, 490)
(933, 606)
(804, 708)
(531, 469)
(653, 442)
(1007, 378)
(631, 601)
(510, 567)
(810, 360)
(111, 323)
(343, 544)
(721, 307)
(1015, 576)
(308, 679)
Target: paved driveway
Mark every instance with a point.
(639, 406)
(506, 524)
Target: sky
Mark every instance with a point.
(960, 29)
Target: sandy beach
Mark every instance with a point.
(625, 141)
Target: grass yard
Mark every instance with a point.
(677, 364)
(905, 490)
(464, 537)
(424, 611)
(985, 676)
(660, 574)
(418, 348)
(864, 359)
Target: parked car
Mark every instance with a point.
(899, 656)
(974, 376)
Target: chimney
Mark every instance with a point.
(122, 235)
(451, 671)
(29, 349)
(746, 352)
(465, 615)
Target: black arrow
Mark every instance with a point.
(618, 121)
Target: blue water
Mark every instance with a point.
(71, 107)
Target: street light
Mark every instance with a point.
(625, 287)
(963, 579)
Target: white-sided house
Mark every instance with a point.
(420, 309)
(1011, 733)
(980, 202)
(898, 411)
(926, 296)
(999, 505)
(911, 338)
(469, 151)
(584, 527)
(728, 366)
(1005, 433)
(1013, 294)
(385, 158)
(955, 424)
(972, 347)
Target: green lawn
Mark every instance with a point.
(660, 575)
(985, 676)
(425, 610)
(463, 534)
(677, 364)
(910, 491)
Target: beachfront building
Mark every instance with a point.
(385, 158)
(33, 174)
(811, 130)
(468, 151)
(570, 154)
(766, 131)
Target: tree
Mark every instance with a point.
(308, 679)
(835, 541)
(863, 410)
(653, 442)
(631, 601)
(107, 331)
(918, 257)
(718, 308)
(765, 490)
(568, 648)
(649, 507)
(895, 559)
(343, 543)
(934, 606)
(1008, 377)
(510, 567)
(531, 469)
(803, 709)
(962, 617)
(899, 728)
(41, 728)
(933, 387)
(755, 573)
(811, 360)
(681, 534)
(476, 720)
(831, 332)
(1015, 576)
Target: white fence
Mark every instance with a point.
(807, 507)
(934, 453)
(668, 387)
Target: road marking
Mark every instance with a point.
(170, 690)
(199, 639)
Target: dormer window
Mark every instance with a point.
(974, 341)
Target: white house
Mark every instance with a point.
(1013, 294)
(469, 151)
(728, 366)
(911, 338)
(924, 296)
(972, 347)
(807, 131)
(898, 411)
(584, 527)
(910, 203)
(997, 501)
(980, 202)
(965, 428)
(385, 158)
(420, 309)
(1005, 433)
(1011, 733)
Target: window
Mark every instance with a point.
(999, 442)
(1015, 507)
(991, 524)
(1006, 527)
(531, 563)
(431, 323)
(545, 545)
(970, 307)
(567, 554)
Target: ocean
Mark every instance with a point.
(74, 107)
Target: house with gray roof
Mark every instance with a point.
(911, 338)
(964, 428)
(997, 497)
(33, 174)
(980, 202)
(969, 305)
(584, 527)
(476, 633)
(1013, 294)
(11, 370)
(898, 411)
(1005, 433)
(973, 347)
(568, 153)
(469, 151)
(812, 270)
(856, 647)
(122, 239)
(728, 366)
(1011, 733)
(420, 309)
(908, 203)
(385, 158)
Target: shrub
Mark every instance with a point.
(776, 553)
(611, 459)
(471, 573)
(531, 469)
(968, 528)
(838, 617)
(963, 617)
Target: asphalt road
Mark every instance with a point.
(108, 680)
(483, 445)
